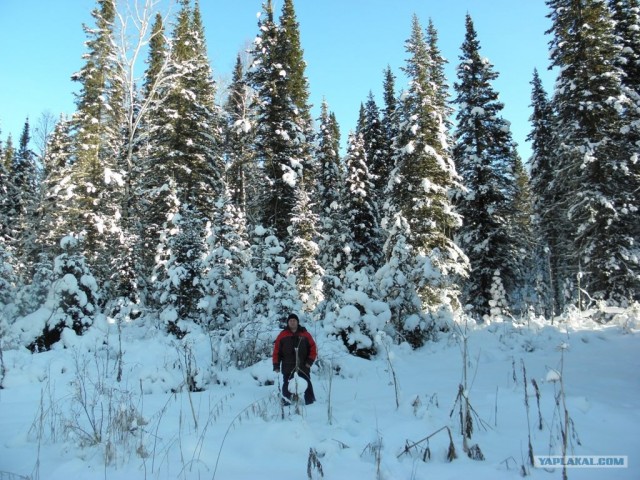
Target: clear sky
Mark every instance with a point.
(347, 45)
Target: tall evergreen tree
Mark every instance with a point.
(242, 171)
(227, 259)
(332, 229)
(9, 192)
(26, 180)
(57, 189)
(598, 176)
(184, 131)
(546, 223)
(376, 155)
(390, 129)
(523, 234)
(423, 179)
(283, 134)
(97, 141)
(360, 210)
(328, 153)
(304, 265)
(149, 172)
(484, 155)
(184, 163)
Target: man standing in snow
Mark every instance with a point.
(296, 350)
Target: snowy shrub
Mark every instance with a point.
(243, 345)
(73, 297)
(629, 319)
(358, 322)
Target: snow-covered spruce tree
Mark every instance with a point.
(93, 208)
(26, 180)
(283, 122)
(144, 33)
(271, 294)
(227, 257)
(484, 153)
(178, 274)
(361, 248)
(7, 207)
(545, 221)
(183, 160)
(389, 122)
(8, 284)
(363, 237)
(376, 147)
(597, 173)
(149, 190)
(396, 285)
(57, 190)
(421, 184)
(626, 17)
(74, 297)
(192, 139)
(242, 172)
(525, 297)
(331, 226)
(374, 137)
(304, 266)
(357, 321)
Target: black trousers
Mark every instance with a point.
(304, 373)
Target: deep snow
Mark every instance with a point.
(354, 430)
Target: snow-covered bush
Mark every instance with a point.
(358, 322)
(73, 297)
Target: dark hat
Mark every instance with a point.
(293, 315)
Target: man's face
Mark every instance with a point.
(293, 324)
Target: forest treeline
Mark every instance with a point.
(154, 198)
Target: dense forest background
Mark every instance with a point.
(152, 200)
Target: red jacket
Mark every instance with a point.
(284, 349)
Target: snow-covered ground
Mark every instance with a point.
(55, 404)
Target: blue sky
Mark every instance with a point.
(347, 44)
